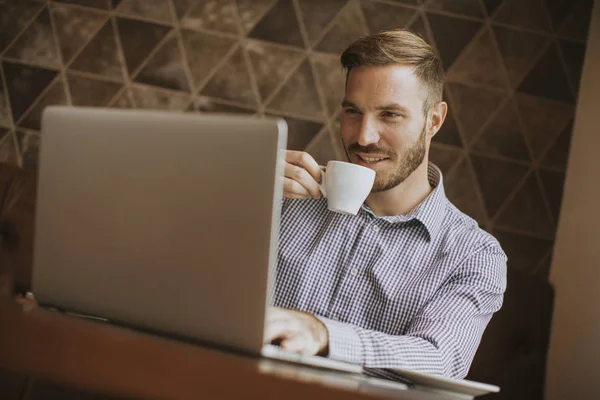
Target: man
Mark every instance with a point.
(410, 281)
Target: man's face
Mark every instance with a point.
(383, 126)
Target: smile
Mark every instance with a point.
(371, 160)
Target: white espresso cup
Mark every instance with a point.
(346, 186)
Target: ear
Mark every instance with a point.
(437, 116)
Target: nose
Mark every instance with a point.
(368, 133)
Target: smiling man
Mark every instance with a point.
(410, 281)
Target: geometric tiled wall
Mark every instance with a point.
(513, 70)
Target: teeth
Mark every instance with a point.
(371, 160)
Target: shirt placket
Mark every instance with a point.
(350, 286)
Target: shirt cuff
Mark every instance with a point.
(344, 342)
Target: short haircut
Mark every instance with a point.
(401, 47)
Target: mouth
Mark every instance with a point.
(370, 160)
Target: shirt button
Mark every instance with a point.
(354, 271)
(375, 228)
(336, 318)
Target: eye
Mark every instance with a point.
(389, 114)
(351, 110)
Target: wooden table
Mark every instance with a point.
(96, 360)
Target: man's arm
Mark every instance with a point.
(443, 337)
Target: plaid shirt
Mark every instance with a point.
(413, 291)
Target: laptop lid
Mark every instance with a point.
(449, 385)
(162, 220)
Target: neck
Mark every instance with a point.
(403, 198)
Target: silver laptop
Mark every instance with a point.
(168, 222)
(162, 221)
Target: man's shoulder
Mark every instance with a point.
(459, 229)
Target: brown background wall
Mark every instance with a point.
(574, 353)
(513, 69)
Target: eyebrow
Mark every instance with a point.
(393, 106)
(386, 107)
(347, 103)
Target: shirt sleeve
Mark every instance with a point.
(443, 337)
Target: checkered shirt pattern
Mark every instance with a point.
(413, 292)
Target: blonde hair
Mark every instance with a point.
(403, 47)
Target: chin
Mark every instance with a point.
(379, 185)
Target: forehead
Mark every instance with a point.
(388, 83)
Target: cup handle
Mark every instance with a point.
(322, 183)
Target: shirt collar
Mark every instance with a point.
(431, 211)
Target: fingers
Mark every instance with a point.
(275, 330)
(289, 329)
(294, 190)
(279, 332)
(302, 174)
(281, 325)
(298, 344)
(299, 182)
(304, 160)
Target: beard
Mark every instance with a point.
(404, 165)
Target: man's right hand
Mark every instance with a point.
(302, 174)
